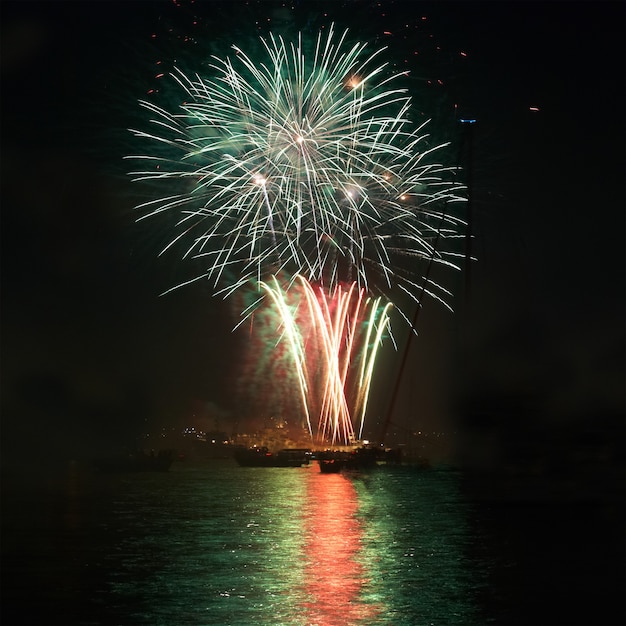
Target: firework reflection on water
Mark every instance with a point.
(220, 544)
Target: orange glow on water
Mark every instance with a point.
(334, 578)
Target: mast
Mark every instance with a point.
(468, 140)
(469, 125)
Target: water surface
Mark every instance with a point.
(212, 543)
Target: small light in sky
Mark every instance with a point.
(533, 108)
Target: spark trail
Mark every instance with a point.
(334, 341)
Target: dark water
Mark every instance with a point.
(212, 543)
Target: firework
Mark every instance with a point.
(301, 162)
(333, 340)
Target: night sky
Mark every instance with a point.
(91, 355)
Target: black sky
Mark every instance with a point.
(90, 351)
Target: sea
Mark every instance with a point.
(210, 542)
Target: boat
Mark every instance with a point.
(139, 461)
(362, 458)
(262, 457)
(330, 466)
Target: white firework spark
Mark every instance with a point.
(304, 163)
